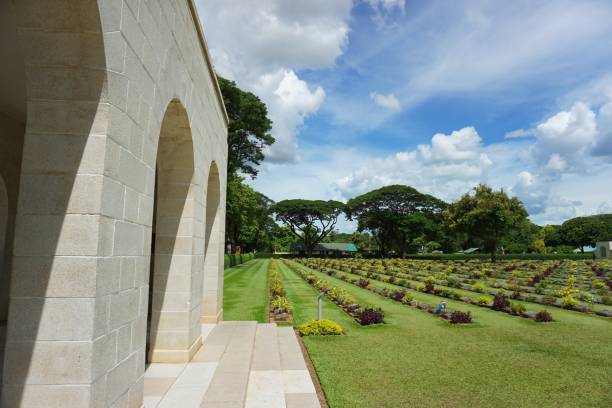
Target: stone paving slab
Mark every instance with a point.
(290, 352)
(240, 365)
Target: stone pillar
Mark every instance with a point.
(212, 298)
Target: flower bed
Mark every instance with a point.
(540, 282)
(516, 309)
(363, 315)
(280, 308)
(400, 296)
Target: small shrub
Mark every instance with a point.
(543, 316)
(370, 315)
(420, 287)
(398, 294)
(484, 300)
(606, 300)
(500, 302)
(429, 286)
(277, 289)
(281, 304)
(478, 287)
(587, 297)
(518, 308)
(568, 302)
(407, 298)
(453, 282)
(320, 328)
(363, 283)
(458, 317)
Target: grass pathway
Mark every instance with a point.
(246, 291)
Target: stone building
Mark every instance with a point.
(603, 250)
(113, 150)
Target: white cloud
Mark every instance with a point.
(515, 134)
(261, 45)
(460, 145)
(290, 101)
(386, 101)
(605, 207)
(571, 130)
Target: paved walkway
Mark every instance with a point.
(241, 364)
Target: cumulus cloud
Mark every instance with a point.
(386, 101)
(262, 44)
(460, 145)
(449, 166)
(290, 101)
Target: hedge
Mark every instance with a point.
(449, 257)
(230, 260)
(457, 257)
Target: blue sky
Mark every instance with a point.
(434, 94)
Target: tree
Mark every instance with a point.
(309, 220)
(248, 222)
(396, 215)
(487, 215)
(248, 130)
(582, 231)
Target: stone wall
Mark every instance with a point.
(107, 82)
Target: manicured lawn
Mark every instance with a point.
(418, 360)
(246, 291)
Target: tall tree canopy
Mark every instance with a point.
(396, 215)
(582, 231)
(309, 220)
(487, 215)
(248, 130)
(248, 221)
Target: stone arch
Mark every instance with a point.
(4, 214)
(54, 78)
(213, 248)
(171, 332)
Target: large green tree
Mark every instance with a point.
(488, 216)
(309, 220)
(396, 216)
(248, 130)
(248, 221)
(582, 231)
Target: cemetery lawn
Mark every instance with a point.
(245, 294)
(419, 360)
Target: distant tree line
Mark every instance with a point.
(393, 220)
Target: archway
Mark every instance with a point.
(4, 281)
(12, 133)
(213, 248)
(170, 335)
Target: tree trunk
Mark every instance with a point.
(493, 256)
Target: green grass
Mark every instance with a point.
(418, 360)
(246, 291)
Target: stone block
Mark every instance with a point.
(128, 239)
(54, 277)
(51, 319)
(124, 308)
(75, 366)
(121, 378)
